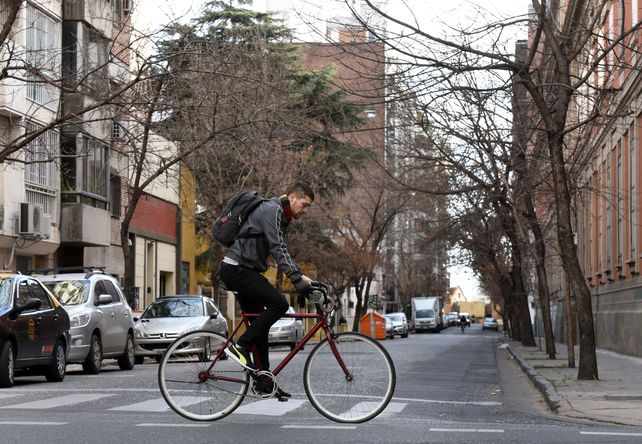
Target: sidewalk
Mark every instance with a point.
(616, 398)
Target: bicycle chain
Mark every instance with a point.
(247, 395)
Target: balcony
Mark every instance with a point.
(84, 225)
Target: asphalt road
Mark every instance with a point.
(452, 387)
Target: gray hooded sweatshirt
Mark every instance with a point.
(267, 225)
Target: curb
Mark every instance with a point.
(553, 400)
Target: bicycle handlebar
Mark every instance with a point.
(319, 293)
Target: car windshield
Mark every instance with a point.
(425, 313)
(73, 292)
(5, 292)
(395, 318)
(174, 308)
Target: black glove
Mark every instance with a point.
(302, 286)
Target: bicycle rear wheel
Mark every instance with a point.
(364, 393)
(193, 389)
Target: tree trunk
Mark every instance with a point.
(587, 369)
(542, 288)
(570, 324)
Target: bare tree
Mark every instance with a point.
(565, 53)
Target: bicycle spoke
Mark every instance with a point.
(188, 379)
(358, 398)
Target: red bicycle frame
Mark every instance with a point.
(320, 324)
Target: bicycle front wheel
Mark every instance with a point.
(361, 394)
(196, 383)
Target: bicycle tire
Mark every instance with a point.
(191, 392)
(355, 400)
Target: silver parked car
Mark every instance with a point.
(399, 324)
(286, 331)
(101, 322)
(170, 317)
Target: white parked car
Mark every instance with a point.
(170, 317)
(286, 331)
(399, 324)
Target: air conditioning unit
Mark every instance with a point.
(33, 220)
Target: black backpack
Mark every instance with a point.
(235, 213)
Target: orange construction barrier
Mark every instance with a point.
(373, 325)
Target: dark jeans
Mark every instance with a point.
(255, 295)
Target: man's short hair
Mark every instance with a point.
(301, 188)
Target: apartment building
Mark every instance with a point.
(29, 102)
(64, 176)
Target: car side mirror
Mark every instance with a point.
(104, 299)
(30, 304)
(214, 316)
(135, 318)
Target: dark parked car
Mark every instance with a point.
(34, 330)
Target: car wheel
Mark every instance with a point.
(56, 372)
(405, 335)
(92, 362)
(138, 360)
(7, 365)
(126, 361)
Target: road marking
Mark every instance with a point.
(151, 424)
(270, 407)
(331, 427)
(36, 423)
(611, 433)
(56, 402)
(436, 401)
(367, 406)
(468, 430)
(151, 405)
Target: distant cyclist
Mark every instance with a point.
(263, 235)
(462, 322)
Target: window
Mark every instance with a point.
(185, 277)
(633, 178)
(99, 288)
(41, 172)
(85, 172)
(111, 290)
(114, 194)
(116, 131)
(620, 207)
(42, 43)
(608, 196)
(39, 293)
(95, 177)
(600, 220)
(23, 293)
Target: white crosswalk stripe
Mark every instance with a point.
(151, 405)
(57, 401)
(270, 407)
(358, 409)
(265, 407)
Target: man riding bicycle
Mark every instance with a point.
(263, 235)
